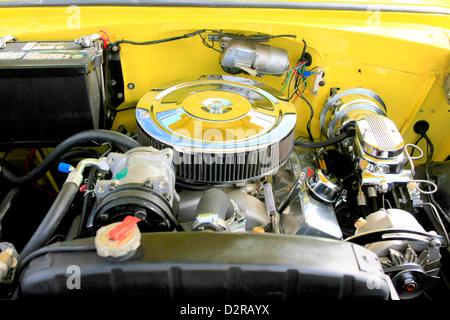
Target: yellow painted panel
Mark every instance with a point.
(404, 57)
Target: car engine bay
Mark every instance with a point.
(257, 175)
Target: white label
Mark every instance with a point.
(11, 55)
(57, 45)
(29, 46)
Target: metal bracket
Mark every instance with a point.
(318, 81)
(5, 39)
(88, 41)
(396, 234)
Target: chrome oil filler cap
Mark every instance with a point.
(325, 185)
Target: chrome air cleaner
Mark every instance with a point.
(221, 128)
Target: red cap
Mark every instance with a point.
(120, 231)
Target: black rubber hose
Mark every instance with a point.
(52, 219)
(321, 144)
(6, 202)
(87, 198)
(373, 204)
(73, 141)
(193, 186)
(79, 154)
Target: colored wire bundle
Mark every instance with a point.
(200, 33)
(299, 76)
(288, 79)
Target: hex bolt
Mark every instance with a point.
(436, 243)
(148, 184)
(141, 214)
(164, 224)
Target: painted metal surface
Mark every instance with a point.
(403, 57)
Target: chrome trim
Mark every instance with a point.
(379, 137)
(368, 7)
(338, 112)
(325, 185)
(251, 139)
(268, 119)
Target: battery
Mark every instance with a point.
(49, 91)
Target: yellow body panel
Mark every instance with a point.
(404, 57)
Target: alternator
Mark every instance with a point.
(409, 254)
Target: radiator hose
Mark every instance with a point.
(320, 144)
(71, 142)
(52, 219)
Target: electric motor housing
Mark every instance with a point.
(252, 57)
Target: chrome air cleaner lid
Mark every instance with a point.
(221, 128)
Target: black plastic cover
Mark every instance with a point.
(49, 91)
(213, 265)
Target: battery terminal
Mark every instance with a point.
(5, 39)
